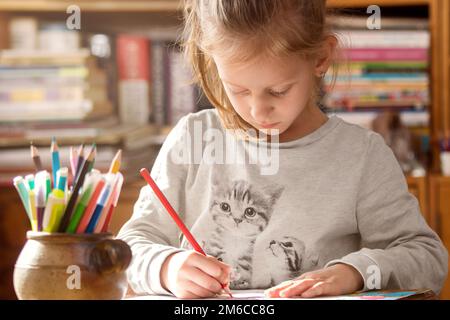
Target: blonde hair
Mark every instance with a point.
(240, 30)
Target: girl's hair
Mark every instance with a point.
(242, 29)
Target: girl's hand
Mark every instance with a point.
(338, 279)
(191, 275)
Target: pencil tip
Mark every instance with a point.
(119, 155)
(34, 151)
(54, 145)
(91, 154)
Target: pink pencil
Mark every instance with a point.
(73, 161)
(91, 206)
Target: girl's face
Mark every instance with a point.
(268, 93)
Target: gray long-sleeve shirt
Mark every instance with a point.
(336, 195)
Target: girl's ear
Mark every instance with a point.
(325, 58)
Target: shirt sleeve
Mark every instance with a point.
(151, 233)
(397, 244)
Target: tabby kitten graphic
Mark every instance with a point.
(285, 258)
(241, 212)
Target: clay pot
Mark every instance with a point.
(72, 266)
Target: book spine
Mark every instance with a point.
(167, 85)
(133, 57)
(392, 54)
(385, 39)
(182, 91)
(158, 85)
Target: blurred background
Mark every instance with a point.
(111, 72)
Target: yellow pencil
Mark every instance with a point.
(115, 164)
(32, 206)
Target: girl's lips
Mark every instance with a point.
(270, 125)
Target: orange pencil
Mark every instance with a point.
(146, 175)
(91, 206)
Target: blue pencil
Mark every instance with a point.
(98, 208)
(56, 164)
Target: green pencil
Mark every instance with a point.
(30, 179)
(48, 184)
(79, 210)
(21, 187)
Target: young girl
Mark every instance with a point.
(332, 215)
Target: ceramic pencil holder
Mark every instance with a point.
(72, 266)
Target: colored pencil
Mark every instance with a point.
(146, 175)
(99, 207)
(30, 179)
(48, 185)
(73, 161)
(75, 192)
(80, 209)
(115, 164)
(91, 206)
(23, 191)
(56, 164)
(91, 166)
(40, 205)
(80, 162)
(113, 204)
(53, 211)
(32, 206)
(62, 179)
(90, 182)
(36, 158)
(104, 213)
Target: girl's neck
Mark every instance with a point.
(307, 122)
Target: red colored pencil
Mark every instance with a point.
(146, 175)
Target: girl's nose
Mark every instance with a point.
(261, 110)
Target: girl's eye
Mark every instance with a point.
(240, 93)
(225, 206)
(250, 212)
(279, 93)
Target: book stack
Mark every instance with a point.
(155, 83)
(45, 86)
(137, 142)
(382, 70)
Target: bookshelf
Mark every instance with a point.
(91, 6)
(101, 15)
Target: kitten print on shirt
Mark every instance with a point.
(237, 215)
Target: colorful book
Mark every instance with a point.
(386, 54)
(133, 58)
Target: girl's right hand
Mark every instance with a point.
(191, 275)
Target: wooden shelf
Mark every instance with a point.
(381, 3)
(90, 6)
(160, 5)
